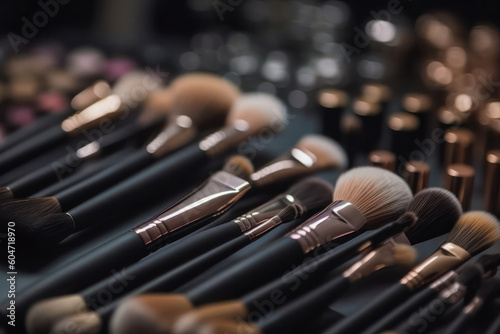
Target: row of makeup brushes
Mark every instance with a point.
(207, 293)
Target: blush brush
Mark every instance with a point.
(108, 108)
(474, 232)
(201, 101)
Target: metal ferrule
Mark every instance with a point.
(263, 228)
(177, 133)
(453, 293)
(264, 212)
(474, 306)
(377, 259)
(444, 281)
(222, 140)
(217, 194)
(447, 257)
(398, 239)
(292, 164)
(338, 219)
(106, 108)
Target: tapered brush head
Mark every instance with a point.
(5, 194)
(240, 166)
(475, 231)
(49, 230)
(83, 323)
(152, 314)
(404, 255)
(328, 153)
(437, 210)
(42, 316)
(24, 211)
(312, 193)
(380, 195)
(258, 111)
(205, 98)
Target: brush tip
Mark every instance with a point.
(240, 166)
(43, 315)
(407, 219)
(404, 255)
(84, 323)
(51, 229)
(25, 211)
(329, 153)
(470, 274)
(5, 194)
(221, 327)
(312, 193)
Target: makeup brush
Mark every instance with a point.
(49, 174)
(310, 194)
(474, 232)
(490, 289)
(291, 317)
(107, 108)
(172, 279)
(48, 121)
(388, 196)
(435, 206)
(466, 283)
(251, 114)
(486, 264)
(191, 116)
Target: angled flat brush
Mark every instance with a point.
(474, 232)
(191, 112)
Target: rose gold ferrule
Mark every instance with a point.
(377, 259)
(222, 140)
(492, 184)
(454, 292)
(376, 93)
(217, 194)
(90, 95)
(416, 174)
(447, 257)
(417, 103)
(444, 281)
(338, 219)
(178, 132)
(332, 98)
(264, 212)
(460, 180)
(458, 146)
(106, 108)
(263, 228)
(383, 159)
(474, 306)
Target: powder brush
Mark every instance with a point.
(487, 264)
(191, 115)
(291, 317)
(474, 232)
(108, 108)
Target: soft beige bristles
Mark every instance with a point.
(205, 98)
(5, 194)
(43, 315)
(129, 83)
(404, 255)
(258, 111)
(152, 314)
(380, 195)
(158, 104)
(224, 327)
(240, 166)
(83, 323)
(329, 153)
(475, 231)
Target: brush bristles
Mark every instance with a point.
(313, 193)
(84, 323)
(469, 274)
(258, 111)
(5, 194)
(291, 212)
(51, 229)
(475, 231)
(407, 219)
(328, 153)
(240, 166)
(205, 98)
(381, 196)
(437, 210)
(25, 211)
(404, 255)
(222, 327)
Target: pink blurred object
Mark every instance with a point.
(118, 66)
(52, 102)
(20, 116)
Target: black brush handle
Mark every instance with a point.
(33, 129)
(494, 327)
(84, 174)
(368, 314)
(289, 318)
(425, 318)
(249, 273)
(34, 147)
(403, 311)
(126, 193)
(460, 324)
(82, 191)
(99, 262)
(159, 262)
